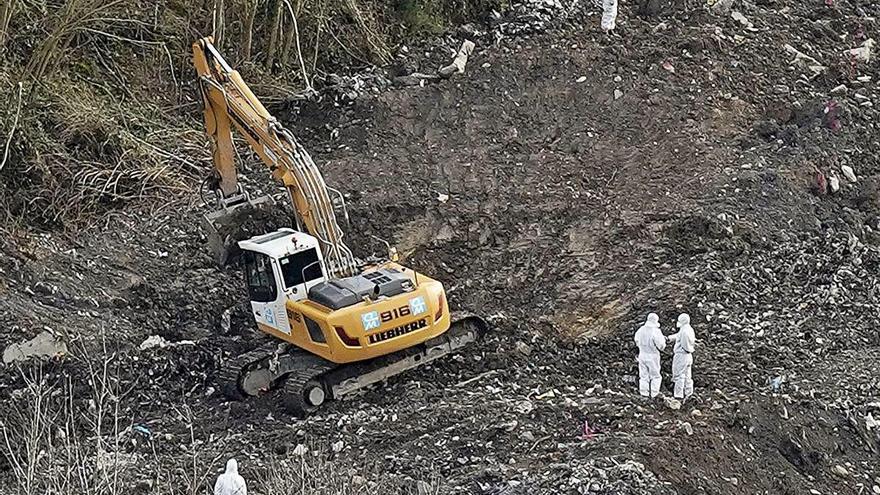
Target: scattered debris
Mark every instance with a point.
(831, 116)
(588, 432)
(871, 423)
(688, 428)
(805, 61)
(523, 348)
(833, 182)
(821, 186)
(840, 471)
(863, 53)
(157, 341)
(44, 345)
(740, 18)
(458, 64)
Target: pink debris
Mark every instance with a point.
(830, 118)
(589, 433)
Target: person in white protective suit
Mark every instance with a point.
(650, 341)
(609, 15)
(683, 359)
(230, 482)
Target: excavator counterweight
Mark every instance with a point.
(335, 325)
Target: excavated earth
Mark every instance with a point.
(565, 186)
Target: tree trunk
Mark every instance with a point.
(273, 37)
(218, 22)
(247, 32)
(289, 36)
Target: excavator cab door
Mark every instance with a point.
(268, 299)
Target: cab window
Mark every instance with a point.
(301, 267)
(260, 278)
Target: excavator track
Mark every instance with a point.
(303, 381)
(232, 374)
(304, 390)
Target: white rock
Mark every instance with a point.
(338, 446)
(688, 428)
(740, 18)
(863, 53)
(43, 345)
(582, 79)
(840, 471)
(618, 94)
(848, 172)
(671, 403)
(300, 450)
(804, 60)
(153, 341)
(458, 64)
(839, 90)
(834, 184)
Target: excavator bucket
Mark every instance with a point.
(229, 224)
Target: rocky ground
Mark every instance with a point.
(565, 186)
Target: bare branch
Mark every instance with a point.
(14, 124)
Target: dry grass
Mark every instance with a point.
(108, 113)
(59, 443)
(316, 472)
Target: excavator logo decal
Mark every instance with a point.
(397, 332)
(371, 320)
(417, 305)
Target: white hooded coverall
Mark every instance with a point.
(683, 359)
(230, 482)
(650, 341)
(609, 15)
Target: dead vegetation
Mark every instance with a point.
(64, 433)
(105, 112)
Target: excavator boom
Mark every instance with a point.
(229, 102)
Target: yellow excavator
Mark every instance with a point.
(337, 324)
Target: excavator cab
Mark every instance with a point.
(280, 266)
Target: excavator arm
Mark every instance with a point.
(229, 103)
